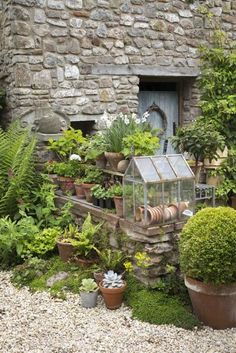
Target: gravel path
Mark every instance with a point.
(36, 323)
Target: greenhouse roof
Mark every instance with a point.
(159, 168)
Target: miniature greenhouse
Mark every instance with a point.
(158, 190)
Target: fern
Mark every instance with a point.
(17, 169)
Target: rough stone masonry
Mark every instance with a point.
(81, 57)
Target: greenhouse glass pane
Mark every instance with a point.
(163, 167)
(180, 166)
(147, 169)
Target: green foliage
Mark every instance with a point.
(17, 172)
(207, 246)
(70, 169)
(88, 285)
(227, 172)
(68, 144)
(157, 308)
(218, 89)
(32, 268)
(199, 139)
(84, 240)
(112, 259)
(100, 192)
(115, 190)
(91, 175)
(13, 237)
(140, 143)
(96, 147)
(42, 242)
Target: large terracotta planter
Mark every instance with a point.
(113, 159)
(66, 184)
(101, 161)
(119, 205)
(113, 297)
(87, 191)
(66, 251)
(214, 305)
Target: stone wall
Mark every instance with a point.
(80, 57)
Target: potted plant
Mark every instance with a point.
(101, 197)
(116, 191)
(66, 174)
(88, 293)
(92, 176)
(95, 150)
(140, 143)
(208, 260)
(68, 144)
(50, 168)
(200, 140)
(65, 241)
(110, 259)
(112, 288)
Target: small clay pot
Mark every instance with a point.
(67, 185)
(87, 191)
(119, 206)
(79, 191)
(66, 251)
(112, 296)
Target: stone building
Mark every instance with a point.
(70, 60)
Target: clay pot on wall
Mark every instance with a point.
(119, 205)
(79, 191)
(87, 191)
(67, 185)
(66, 251)
(113, 159)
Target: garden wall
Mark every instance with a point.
(80, 57)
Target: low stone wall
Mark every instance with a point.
(159, 242)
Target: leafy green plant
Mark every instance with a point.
(68, 144)
(115, 190)
(84, 240)
(17, 173)
(111, 259)
(100, 192)
(140, 143)
(217, 86)
(227, 172)
(91, 175)
(88, 285)
(42, 243)
(207, 246)
(96, 147)
(32, 268)
(200, 140)
(70, 169)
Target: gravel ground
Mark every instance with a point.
(36, 323)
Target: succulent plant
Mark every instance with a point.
(88, 285)
(112, 280)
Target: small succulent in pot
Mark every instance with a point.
(112, 280)
(88, 293)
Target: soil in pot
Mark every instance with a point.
(66, 251)
(119, 205)
(214, 305)
(113, 159)
(113, 297)
(89, 299)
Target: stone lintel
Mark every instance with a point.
(145, 70)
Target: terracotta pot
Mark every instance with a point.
(112, 296)
(119, 205)
(123, 165)
(83, 262)
(113, 159)
(66, 184)
(66, 251)
(101, 161)
(79, 191)
(87, 191)
(98, 276)
(214, 305)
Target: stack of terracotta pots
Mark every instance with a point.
(159, 214)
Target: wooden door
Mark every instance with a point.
(164, 116)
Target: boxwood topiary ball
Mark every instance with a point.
(208, 246)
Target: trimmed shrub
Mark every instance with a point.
(208, 246)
